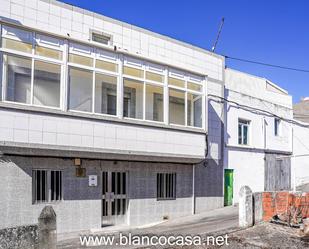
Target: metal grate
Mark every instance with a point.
(166, 186)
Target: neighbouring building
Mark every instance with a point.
(114, 124)
(258, 134)
(301, 110)
(300, 157)
(107, 122)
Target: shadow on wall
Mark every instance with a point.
(209, 174)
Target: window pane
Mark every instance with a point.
(245, 131)
(154, 77)
(133, 99)
(56, 185)
(194, 110)
(133, 72)
(154, 103)
(46, 88)
(239, 134)
(39, 178)
(194, 87)
(80, 90)
(105, 94)
(82, 60)
(18, 75)
(176, 82)
(48, 52)
(104, 65)
(177, 107)
(17, 45)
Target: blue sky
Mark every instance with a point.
(270, 31)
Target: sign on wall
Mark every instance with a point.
(93, 180)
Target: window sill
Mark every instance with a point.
(47, 203)
(166, 199)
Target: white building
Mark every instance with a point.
(103, 120)
(258, 138)
(113, 124)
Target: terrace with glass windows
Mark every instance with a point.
(54, 73)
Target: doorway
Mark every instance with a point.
(228, 187)
(114, 198)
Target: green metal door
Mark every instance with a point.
(228, 187)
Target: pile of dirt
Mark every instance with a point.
(266, 236)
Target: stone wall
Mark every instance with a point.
(21, 237)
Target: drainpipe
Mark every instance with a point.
(193, 188)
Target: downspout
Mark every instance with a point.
(223, 126)
(193, 189)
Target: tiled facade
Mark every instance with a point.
(35, 137)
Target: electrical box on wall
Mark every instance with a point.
(93, 180)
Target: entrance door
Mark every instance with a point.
(114, 198)
(228, 187)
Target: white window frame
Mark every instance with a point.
(33, 57)
(243, 123)
(99, 53)
(187, 77)
(94, 54)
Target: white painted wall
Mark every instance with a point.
(248, 170)
(248, 161)
(300, 161)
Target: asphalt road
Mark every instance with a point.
(211, 222)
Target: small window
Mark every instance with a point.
(243, 132)
(166, 186)
(101, 38)
(277, 124)
(47, 186)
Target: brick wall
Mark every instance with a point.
(281, 202)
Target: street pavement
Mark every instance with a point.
(219, 221)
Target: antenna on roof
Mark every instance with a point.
(218, 35)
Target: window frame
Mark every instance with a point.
(95, 54)
(187, 77)
(164, 188)
(33, 57)
(120, 59)
(277, 127)
(244, 123)
(47, 186)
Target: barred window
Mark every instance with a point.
(166, 186)
(47, 185)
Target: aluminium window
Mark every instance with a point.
(101, 38)
(243, 132)
(186, 99)
(46, 86)
(17, 74)
(36, 67)
(80, 90)
(166, 186)
(47, 186)
(177, 107)
(93, 77)
(32, 66)
(105, 94)
(154, 102)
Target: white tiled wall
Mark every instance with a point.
(65, 131)
(63, 19)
